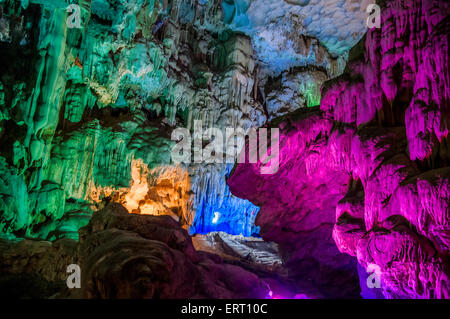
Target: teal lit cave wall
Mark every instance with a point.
(73, 107)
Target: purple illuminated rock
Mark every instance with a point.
(373, 162)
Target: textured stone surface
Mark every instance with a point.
(35, 269)
(123, 255)
(274, 27)
(373, 161)
(153, 257)
(254, 250)
(298, 204)
(102, 98)
(86, 117)
(293, 90)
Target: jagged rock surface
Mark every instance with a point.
(123, 255)
(370, 167)
(81, 108)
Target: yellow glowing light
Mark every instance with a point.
(164, 190)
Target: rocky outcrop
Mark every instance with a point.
(35, 269)
(289, 34)
(123, 255)
(370, 167)
(132, 256)
(252, 249)
(294, 89)
(298, 204)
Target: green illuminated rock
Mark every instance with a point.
(79, 105)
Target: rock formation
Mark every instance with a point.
(367, 171)
(80, 107)
(91, 92)
(123, 255)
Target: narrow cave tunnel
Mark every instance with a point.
(224, 149)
